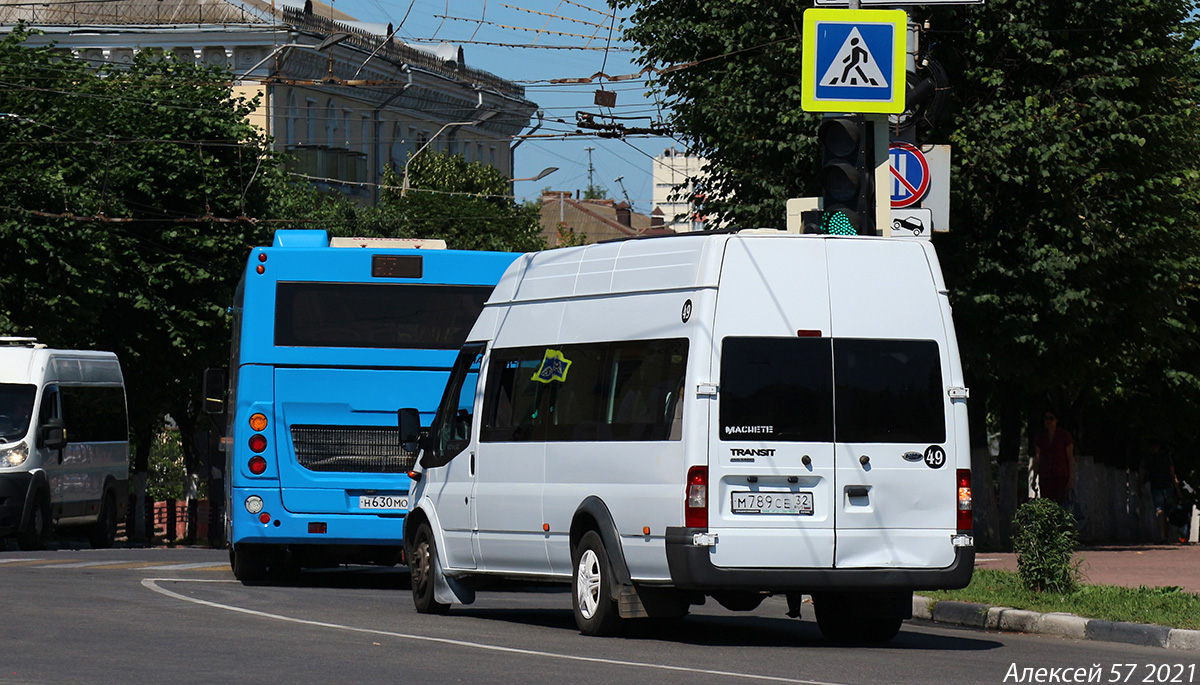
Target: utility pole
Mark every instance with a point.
(591, 171)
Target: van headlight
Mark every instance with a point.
(15, 455)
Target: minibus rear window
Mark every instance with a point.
(825, 390)
(394, 315)
(16, 408)
(888, 391)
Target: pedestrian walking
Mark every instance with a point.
(1054, 461)
(1158, 469)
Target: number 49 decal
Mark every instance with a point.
(935, 456)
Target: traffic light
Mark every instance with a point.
(846, 177)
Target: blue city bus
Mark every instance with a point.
(330, 338)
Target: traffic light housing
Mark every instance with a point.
(846, 177)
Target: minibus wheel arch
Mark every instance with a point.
(593, 515)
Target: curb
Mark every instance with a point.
(1062, 625)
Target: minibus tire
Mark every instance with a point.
(37, 533)
(104, 532)
(595, 608)
(843, 620)
(423, 566)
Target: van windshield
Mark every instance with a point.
(16, 408)
(826, 390)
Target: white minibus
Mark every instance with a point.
(728, 416)
(64, 443)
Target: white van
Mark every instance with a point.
(728, 415)
(64, 442)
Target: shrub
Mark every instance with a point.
(1045, 541)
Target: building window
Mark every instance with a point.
(331, 124)
(310, 120)
(293, 119)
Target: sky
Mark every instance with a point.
(470, 23)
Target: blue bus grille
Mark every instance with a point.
(356, 449)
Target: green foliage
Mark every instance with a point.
(568, 238)
(121, 192)
(1044, 539)
(1164, 606)
(593, 192)
(167, 478)
(1074, 254)
(739, 107)
(467, 204)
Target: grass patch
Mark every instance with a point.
(1164, 606)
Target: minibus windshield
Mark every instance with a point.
(16, 408)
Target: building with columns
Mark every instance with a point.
(339, 95)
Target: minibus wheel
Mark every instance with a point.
(37, 533)
(842, 618)
(104, 532)
(595, 608)
(423, 566)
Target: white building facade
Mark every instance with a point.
(337, 94)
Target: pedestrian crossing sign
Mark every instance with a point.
(854, 61)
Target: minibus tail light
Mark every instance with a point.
(696, 505)
(964, 500)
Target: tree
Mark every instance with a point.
(1075, 263)
(126, 194)
(738, 106)
(1074, 253)
(468, 204)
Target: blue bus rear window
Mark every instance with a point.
(398, 316)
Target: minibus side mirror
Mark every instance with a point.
(409, 420)
(214, 391)
(52, 435)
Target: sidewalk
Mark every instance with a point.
(1131, 566)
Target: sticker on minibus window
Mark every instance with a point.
(554, 367)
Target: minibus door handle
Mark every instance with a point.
(472, 465)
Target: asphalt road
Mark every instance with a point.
(177, 615)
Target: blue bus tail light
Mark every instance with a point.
(254, 504)
(264, 518)
(258, 443)
(258, 422)
(317, 527)
(257, 465)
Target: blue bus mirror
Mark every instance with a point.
(214, 391)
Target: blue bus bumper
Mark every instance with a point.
(287, 528)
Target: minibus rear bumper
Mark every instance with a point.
(692, 569)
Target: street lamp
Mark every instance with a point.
(480, 120)
(541, 174)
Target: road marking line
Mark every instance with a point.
(151, 583)
(83, 564)
(35, 562)
(20, 561)
(184, 567)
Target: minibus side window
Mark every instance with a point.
(94, 413)
(451, 430)
(513, 401)
(49, 408)
(607, 391)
